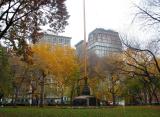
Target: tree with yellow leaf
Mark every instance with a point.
(56, 60)
(107, 70)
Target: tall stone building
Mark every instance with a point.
(55, 40)
(103, 42)
(100, 42)
(80, 49)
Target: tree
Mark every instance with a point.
(108, 71)
(58, 61)
(142, 63)
(149, 12)
(5, 73)
(21, 20)
(20, 78)
(133, 91)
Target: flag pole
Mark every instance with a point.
(85, 48)
(86, 90)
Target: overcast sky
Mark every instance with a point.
(108, 14)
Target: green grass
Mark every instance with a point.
(141, 111)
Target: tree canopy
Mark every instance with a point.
(21, 20)
(5, 73)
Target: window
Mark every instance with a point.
(100, 35)
(60, 40)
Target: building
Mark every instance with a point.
(56, 40)
(80, 49)
(103, 42)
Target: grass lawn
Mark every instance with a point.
(137, 111)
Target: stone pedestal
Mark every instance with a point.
(85, 99)
(86, 90)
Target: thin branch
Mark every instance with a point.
(145, 50)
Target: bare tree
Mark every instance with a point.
(149, 12)
(143, 62)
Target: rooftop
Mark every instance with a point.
(102, 30)
(56, 35)
(80, 42)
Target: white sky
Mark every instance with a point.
(108, 14)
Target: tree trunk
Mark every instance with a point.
(145, 96)
(113, 91)
(16, 96)
(72, 93)
(42, 91)
(113, 99)
(62, 101)
(150, 97)
(156, 97)
(32, 97)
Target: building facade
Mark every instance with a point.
(55, 40)
(104, 42)
(80, 49)
(100, 42)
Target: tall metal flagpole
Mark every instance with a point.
(85, 48)
(86, 90)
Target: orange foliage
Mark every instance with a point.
(57, 60)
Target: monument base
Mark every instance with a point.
(85, 100)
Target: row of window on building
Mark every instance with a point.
(54, 40)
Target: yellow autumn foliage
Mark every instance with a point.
(57, 60)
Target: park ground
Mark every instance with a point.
(129, 111)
